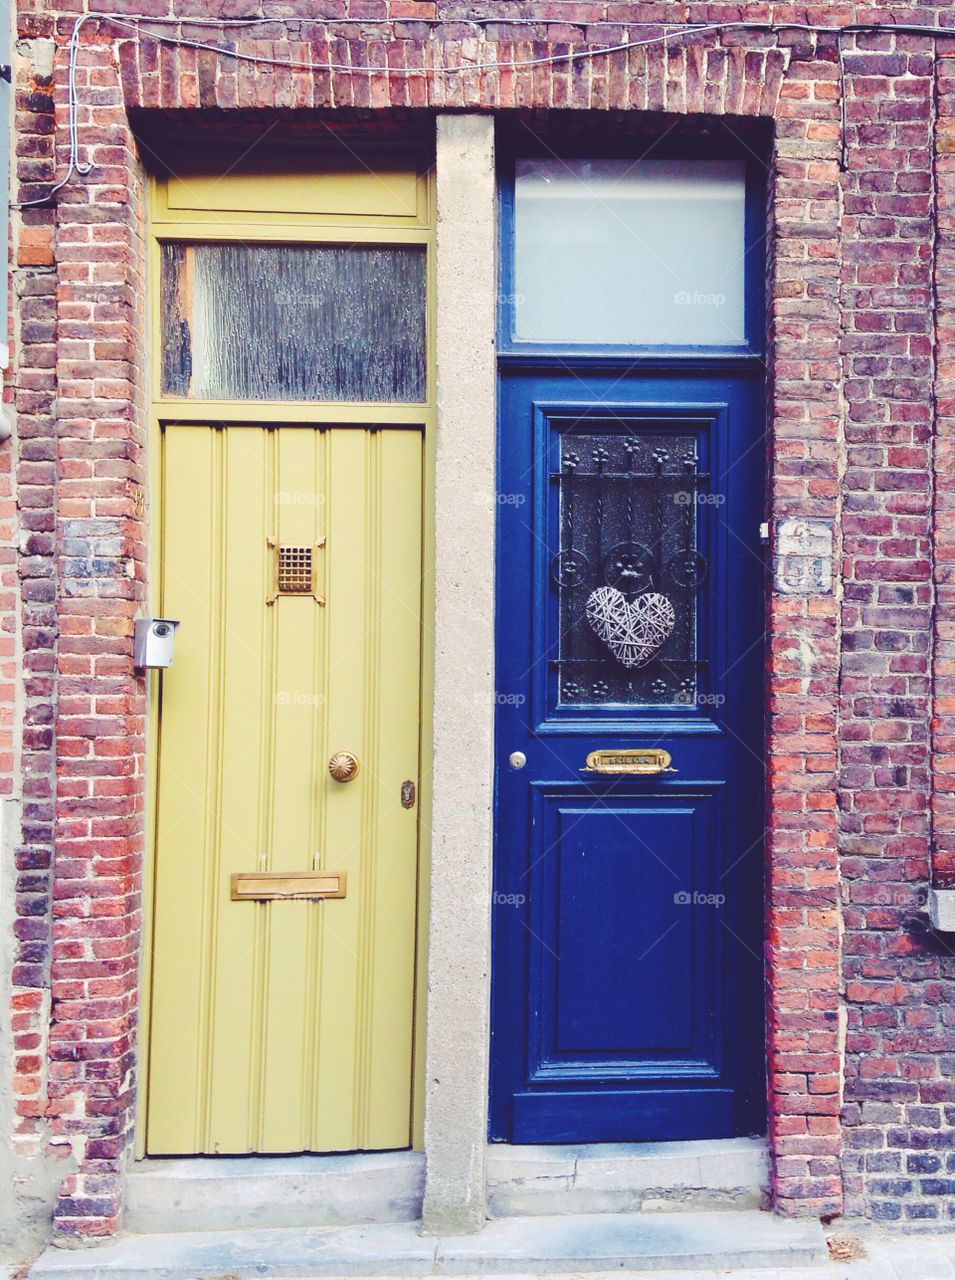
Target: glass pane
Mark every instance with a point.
(629, 571)
(291, 322)
(646, 252)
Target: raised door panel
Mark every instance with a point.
(626, 968)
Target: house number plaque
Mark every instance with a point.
(629, 762)
(803, 563)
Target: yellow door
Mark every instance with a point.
(286, 1024)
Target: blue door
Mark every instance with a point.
(628, 977)
(628, 917)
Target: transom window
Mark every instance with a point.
(626, 252)
(333, 323)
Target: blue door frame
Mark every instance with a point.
(627, 984)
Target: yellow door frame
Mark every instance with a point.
(243, 213)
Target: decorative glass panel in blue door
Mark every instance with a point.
(628, 560)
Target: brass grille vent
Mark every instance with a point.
(295, 570)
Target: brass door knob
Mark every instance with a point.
(343, 766)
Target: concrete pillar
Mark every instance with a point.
(455, 1126)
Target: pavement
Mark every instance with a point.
(867, 1254)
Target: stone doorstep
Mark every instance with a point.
(228, 1193)
(627, 1177)
(541, 1244)
(212, 1193)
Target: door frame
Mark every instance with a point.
(746, 360)
(302, 227)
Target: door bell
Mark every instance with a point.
(153, 642)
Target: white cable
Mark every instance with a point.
(671, 31)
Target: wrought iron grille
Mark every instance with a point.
(629, 570)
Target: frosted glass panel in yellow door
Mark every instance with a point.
(292, 555)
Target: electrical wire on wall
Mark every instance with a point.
(144, 27)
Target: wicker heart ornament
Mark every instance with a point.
(633, 631)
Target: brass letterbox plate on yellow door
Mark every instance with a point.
(645, 762)
(270, 886)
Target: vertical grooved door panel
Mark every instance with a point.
(286, 1025)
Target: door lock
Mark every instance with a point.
(517, 759)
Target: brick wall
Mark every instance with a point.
(100, 707)
(859, 990)
(894, 1035)
(31, 388)
(79, 394)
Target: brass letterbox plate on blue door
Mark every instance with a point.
(646, 762)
